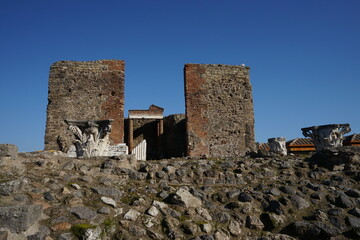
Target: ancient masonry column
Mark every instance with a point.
(130, 134)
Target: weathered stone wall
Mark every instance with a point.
(219, 110)
(84, 91)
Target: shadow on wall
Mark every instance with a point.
(172, 143)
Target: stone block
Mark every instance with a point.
(8, 150)
(19, 218)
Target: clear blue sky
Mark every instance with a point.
(304, 56)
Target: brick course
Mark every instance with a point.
(91, 90)
(219, 110)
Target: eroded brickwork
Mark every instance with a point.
(219, 110)
(84, 91)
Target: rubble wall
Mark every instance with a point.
(91, 90)
(219, 110)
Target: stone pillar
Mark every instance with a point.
(325, 136)
(278, 145)
(130, 135)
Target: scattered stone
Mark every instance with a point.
(19, 218)
(244, 197)
(353, 222)
(12, 186)
(153, 211)
(254, 222)
(343, 201)
(355, 212)
(206, 227)
(104, 210)
(203, 213)
(66, 236)
(353, 193)
(235, 228)
(299, 202)
(48, 196)
(82, 212)
(113, 192)
(184, 198)
(108, 201)
(132, 215)
(220, 235)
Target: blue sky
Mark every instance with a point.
(304, 56)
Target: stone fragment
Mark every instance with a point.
(83, 212)
(222, 217)
(93, 234)
(184, 198)
(65, 191)
(76, 186)
(48, 196)
(153, 211)
(108, 201)
(303, 229)
(12, 186)
(220, 235)
(137, 231)
(254, 222)
(204, 213)
(104, 210)
(206, 227)
(66, 236)
(355, 212)
(244, 197)
(343, 201)
(235, 228)
(113, 192)
(299, 202)
(353, 222)
(69, 166)
(189, 228)
(160, 205)
(8, 150)
(353, 193)
(36, 236)
(278, 145)
(327, 230)
(19, 218)
(288, 190)
(131, 215)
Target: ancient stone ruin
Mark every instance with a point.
(84, 92)
(326, 136)
(84, 95)
(278, 145)
(219, 110)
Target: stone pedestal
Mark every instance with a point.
(325, 136)
(278, 145)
